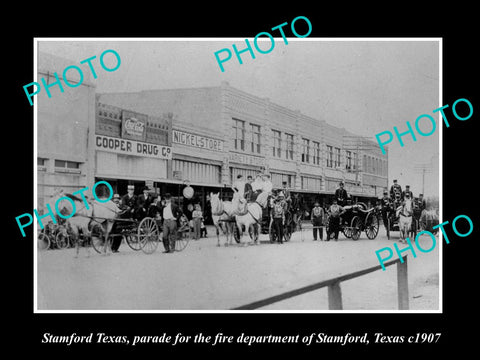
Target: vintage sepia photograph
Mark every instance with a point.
(267, 174)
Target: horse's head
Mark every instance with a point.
(216, 203)
(407, 208)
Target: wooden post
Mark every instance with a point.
(402, 282)
(335, 297)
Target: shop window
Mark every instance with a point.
(67, 166)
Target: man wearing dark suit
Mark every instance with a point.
(129, 203)
(248, 188)
(171, 213)
(143, 203)
(341, 195)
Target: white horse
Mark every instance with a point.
(223, 217)
(85, 216)
(405, 212)
(250, 221)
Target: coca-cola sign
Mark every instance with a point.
(133, 126)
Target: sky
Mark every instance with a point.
(365, 86)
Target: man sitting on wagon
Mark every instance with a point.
(407, 192)
(129, 203)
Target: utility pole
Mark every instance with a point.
(423, 168)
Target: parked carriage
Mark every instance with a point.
(141, 235)
(357, 218)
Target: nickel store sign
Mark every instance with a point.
(202, 142)
(132, 147)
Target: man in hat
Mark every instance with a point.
(407, 191)
(386, 208)
(278, 216)
(335, 212)
(317, 220)
(129, 202)
(421, 203)
(143, 203)
(395, 191)
(341, 195)
(248, 191)
(116, 199)
(171, 212)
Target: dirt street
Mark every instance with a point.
(207, 277)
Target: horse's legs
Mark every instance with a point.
(76, 238)
(108, 228)
(218, 232)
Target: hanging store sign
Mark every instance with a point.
(133, 126)
(131, 147)
(203, 142)
(246, 159)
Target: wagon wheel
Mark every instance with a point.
(372, 225)
(347, 231)
(182, 239)
(97, 238)
(62, 240)
(43, 241)
(148, 235)
(133, 241)
(356, 227)
(236, 233)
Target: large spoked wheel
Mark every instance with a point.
(236, 233)
(62, 239)
(182, 240)
(372, 225)
(356, 227)
(148, 235)
(43, 241)
(347, 231)
(97, 238)
(133, 241)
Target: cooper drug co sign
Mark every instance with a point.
(132, 147)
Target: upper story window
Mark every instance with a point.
(255, 143)
(239, 134)
(277, 143)
(305, 150)
(289, 148)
